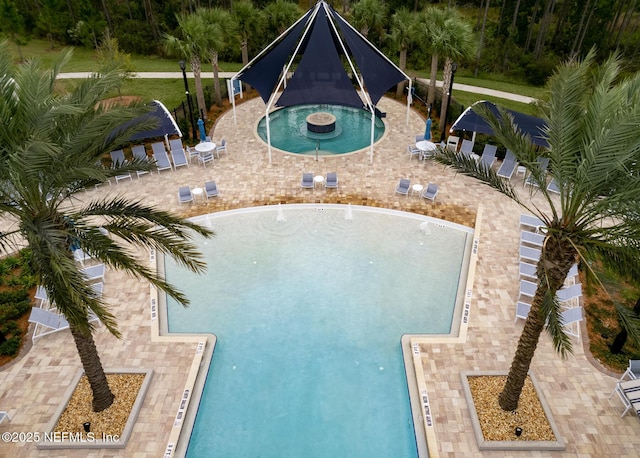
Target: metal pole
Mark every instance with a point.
(443, 129)
(183, 67)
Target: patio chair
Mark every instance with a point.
(522, 310)
(531, 222)
(419, 137)
(331, 181)
(177, 153)
(488, 156)
(161, 157)
(543, 163)
(530, 254)
(118, 161)
(633, 372)
(185, 195)
(629, 393)
(48, 321)
(205, 157)
(222, 147)
(430, 192)
(4, 415)
(570, 319)
(569, 293)
(210, 189)
(528, 288)
(403, 186)
(41, 296)
(467, 148)
(413, 151)
(508, 166)
(553, 186)
(192, 153)
(307, 181)
(531, 238)
(140, 154)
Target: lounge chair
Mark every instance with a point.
(633, 372)
(467, 148)
(522, 310)
(4, 415)
(210, 189)
(528, 288)
(570, 319)
(531, 222)
(488, 156)
(508, 166)
(161, 157)
(41, 296)
(531, 238)
(553, 186)
(307, 181)
(413, 151)
(222, 147)
(569, 293)
(430, 192)
(178, 154)
(93, 273)
(331, 181)
(530, 254)
(48, 321)
(118, 160)
(185, 195)
(140, 154)
(452, 142)
(403, 186)
(543, 163)
(528, 270)
(629, 393)
(81, 256)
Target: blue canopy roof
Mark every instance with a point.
(166, 123)
(473, 122)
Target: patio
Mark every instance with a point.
(576, 390)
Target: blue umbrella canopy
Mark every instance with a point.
(427, 132)
(203, 134)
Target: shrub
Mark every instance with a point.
(13, 310)
(11, 346)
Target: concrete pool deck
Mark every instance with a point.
(576, 391)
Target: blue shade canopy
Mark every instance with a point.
(470, 120)
(166, 124)
(320, 76)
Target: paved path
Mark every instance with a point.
(456, 86)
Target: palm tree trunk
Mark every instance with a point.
(431, 95)
(102, 395)
(484, 24)
(403, 65)
(558, 256)
(216, 79)
(195, 66)
(446, 81)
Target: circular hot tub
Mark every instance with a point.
(321, 122)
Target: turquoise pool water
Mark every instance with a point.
(309, 304)
(289, 130)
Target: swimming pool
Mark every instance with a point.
(289, 130)
(309, 304)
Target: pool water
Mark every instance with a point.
(289, 130)
(309, 304)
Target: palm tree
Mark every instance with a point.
(50, 153)
(592, 119)
(193, 46)
(430, 26)
(251, 23)
(221, 29)
(368, 15)
(403, 35)
(281, 14)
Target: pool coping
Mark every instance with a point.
(184, 419)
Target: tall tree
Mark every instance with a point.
(50, 148)
(192, 44)
(592, 119)
(403, 34)
(430, 29)
(221, 30)
(12, 23)
(281, 14)
(251, 23)
(368, 16)
(481, 40)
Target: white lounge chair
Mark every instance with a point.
(452, 142)
(569, 293)
(140, 154)
(542, 163)
(41, 296)
(488, 156)
(531, 222)
(178, 154)
(403, 186)
(528, 288)
(210, 189)
(570, 319)
(118, 160)
(508, 166)
(161, 157)
(531, 238)
(530, 254)
(522, 310)
(467, 148)
(553, 186)
(48, 321)
(528, 270)
(93, 273)
(629, 393)
(4, 415)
